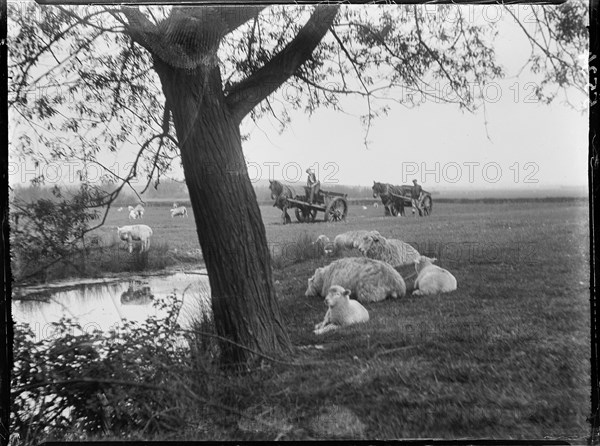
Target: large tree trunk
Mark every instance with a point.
(229, 224)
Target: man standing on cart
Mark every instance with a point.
(313, 184)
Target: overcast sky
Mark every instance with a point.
(524, 145)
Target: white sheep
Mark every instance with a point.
(341, 312)
(431, 279)
(181, 210)
(367, 279)
(350, 239)
(395, 252)
(135, 232)
(135, 212)
(324, 245)
(140, 210)
(120, 209)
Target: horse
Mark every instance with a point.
(390, 197)
(394, 198)
(280, 193)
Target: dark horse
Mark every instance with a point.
(280, 193)
(394, 198)
(389, 195)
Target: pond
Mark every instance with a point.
(103, 304)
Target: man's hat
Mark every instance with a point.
(309, 170)
(414, 181)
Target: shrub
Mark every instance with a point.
(137, 379)
(48, 230)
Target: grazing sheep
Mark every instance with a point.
(120, 209)
(135, 212)
(140, 210)
(136, 232)
(324, 245)
(368, 280)
(181, 210)
(432, 279)
(341, 312)
(395, 252)
(350, 239)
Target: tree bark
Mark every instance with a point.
(229, 224)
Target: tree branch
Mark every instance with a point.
(227, 18)
(245, 95)
(190, 36)
(354, 64)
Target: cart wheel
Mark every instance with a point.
(337, 210)
(305, 214)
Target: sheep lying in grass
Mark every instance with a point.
(432, 279)
(395, 252)
(350, 239)
(324, 245)
(136, 232)
(341, 312)
(368, 280)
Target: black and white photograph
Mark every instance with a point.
(299, 222)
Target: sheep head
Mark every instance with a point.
(368, 241)
(423, 261)
(336, 295)
(313, 289)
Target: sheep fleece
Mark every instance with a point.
(350, 239)
(136, 232)
(432, 279)
(368, 280)
(393, 251)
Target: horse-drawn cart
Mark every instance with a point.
(333, 204)
(395, 198)
(404, 198)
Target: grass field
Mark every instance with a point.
(504, 356)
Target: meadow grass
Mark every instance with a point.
(504, 356)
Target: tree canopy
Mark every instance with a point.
(81, 81)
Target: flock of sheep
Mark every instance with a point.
(371, 278)
(142, 233)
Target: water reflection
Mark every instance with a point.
(136, 294)
(102, 306)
